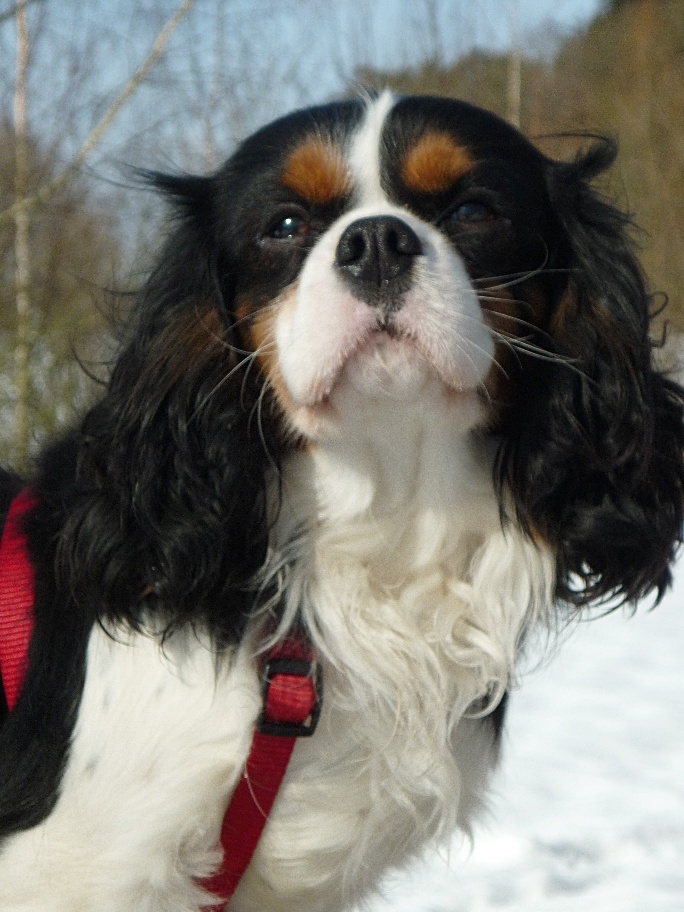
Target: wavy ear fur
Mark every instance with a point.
(169, 511)
(595, 460)
(153, 510)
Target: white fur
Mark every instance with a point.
(416, 613)
(416, 600)
(322, 327)
(365, 151)
(160, 742)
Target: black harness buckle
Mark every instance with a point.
(296, 668)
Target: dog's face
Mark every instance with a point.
(390, 250)
(356, 265)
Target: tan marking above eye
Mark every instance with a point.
(435, 163)
(316, 171)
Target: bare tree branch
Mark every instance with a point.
(514, 75)
(17, 8)
(95, 135)
(22, 249)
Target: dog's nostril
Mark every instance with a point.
(351, 248)
(373, 252)
(402, 240)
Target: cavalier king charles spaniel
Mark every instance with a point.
(390, 384)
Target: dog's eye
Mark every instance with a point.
(472, 212)
(292, 227)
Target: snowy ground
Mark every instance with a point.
(588, 811)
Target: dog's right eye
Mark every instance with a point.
(292, 227)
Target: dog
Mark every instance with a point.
(389, 385)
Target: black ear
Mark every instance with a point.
(595, 455)
(169, 503)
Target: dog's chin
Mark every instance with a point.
(387, 378)
(384, 368)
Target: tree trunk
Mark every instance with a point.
(514, 79)
(22, 249)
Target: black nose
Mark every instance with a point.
(375, 254)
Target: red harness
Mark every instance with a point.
(291, 704)
(16, 598)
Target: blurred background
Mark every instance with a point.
(588, 811)
(89, 89)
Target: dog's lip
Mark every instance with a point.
(384, 332)
(368, 339)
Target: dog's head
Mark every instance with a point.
(400, 251)
(383, 246)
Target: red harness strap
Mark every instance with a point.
(291, 705)
(16, 598)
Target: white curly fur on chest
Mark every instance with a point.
(415, 611)
(416, 615)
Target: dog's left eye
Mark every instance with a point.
(472, 212)
(292, 227)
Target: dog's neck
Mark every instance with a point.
(389, 458)
(398, 564)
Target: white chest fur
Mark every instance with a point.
(416, 608)
(159, 743)
(415, 600)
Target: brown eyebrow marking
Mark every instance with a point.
(316, 171)
(435, 163)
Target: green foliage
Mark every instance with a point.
(623, 76)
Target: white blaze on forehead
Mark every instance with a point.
(365, 150)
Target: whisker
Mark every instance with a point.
(244, 363)
(519, 344)
(257, 412)
(519, 321)
(249, 362)
(508, 280)
(499, 366)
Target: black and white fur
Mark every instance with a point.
(410, 409)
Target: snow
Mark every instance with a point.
(587, 811)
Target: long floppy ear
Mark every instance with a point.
(170, 499)
(596, 463)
